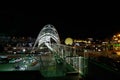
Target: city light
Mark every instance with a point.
(68, 41)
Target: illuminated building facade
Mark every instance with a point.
(116, 41)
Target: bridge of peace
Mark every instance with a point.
(57, 59)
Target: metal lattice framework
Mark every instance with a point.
(47, 35)
(49, 38)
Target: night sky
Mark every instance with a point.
(69, 23)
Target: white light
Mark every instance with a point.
(22, 68)
(24, 50)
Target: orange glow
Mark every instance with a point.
(118, 53)
(118, 35)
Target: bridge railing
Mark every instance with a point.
(74, 57)
(64, 59)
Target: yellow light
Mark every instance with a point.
(118, 35)
(68, 41)
(114, 36)
(116, 39)
(89, 41)
(118, 53)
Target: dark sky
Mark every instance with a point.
(69, 23)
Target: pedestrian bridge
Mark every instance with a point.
(57, 59)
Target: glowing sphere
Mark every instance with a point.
(68, 41)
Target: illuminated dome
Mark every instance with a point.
(68, 41)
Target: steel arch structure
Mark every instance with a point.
(47, 35)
